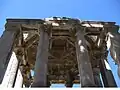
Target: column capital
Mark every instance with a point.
(12, 26)
(45, 27)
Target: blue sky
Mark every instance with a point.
(106, 10)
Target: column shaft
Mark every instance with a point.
(19, 80)
(11, 71)
(41, 61)
(84, 65)
(6, 45)
(107, 75)
(96, 74)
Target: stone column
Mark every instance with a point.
(19, 80)
(84, 65)
(115, 48)
(107, 75)
(6, 45)
(9, 77)
(95, 58)
(96, 74)
(40, 78)
(70, 78)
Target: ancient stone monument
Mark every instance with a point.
(58, 50)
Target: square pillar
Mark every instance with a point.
(19, 80)
(107, 76)
(96, 74)
(40, 78)
(10, 74)
(6, 45)
(84, 65)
